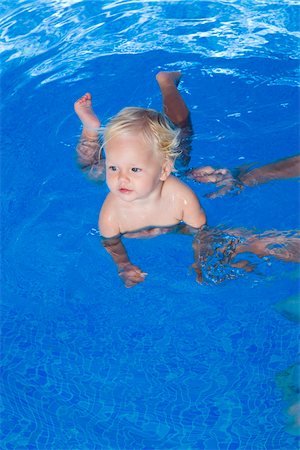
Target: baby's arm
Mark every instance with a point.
(195, 218)
(193, 214)
(130, 274)
(109, 230)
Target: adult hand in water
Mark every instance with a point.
(247, 175)
(223, 179)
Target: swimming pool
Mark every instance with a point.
(86, 363)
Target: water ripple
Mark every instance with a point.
(67, 34)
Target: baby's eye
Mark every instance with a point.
(136, 169)
(113, 168)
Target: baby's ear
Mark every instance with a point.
(166, 169)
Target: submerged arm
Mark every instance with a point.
(279, 170)
(233, 181)
(117, 251)
(130, 274)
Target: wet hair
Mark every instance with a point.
(152, 125)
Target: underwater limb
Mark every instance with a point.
(283, 169)
(228, 182)
(214, 251)
(234, 181)
(280, 245)
(244, 264)
(199, 274)
(131, 275)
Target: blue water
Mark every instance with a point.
(86, 363)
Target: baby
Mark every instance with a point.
(145, 199)
(141, 146)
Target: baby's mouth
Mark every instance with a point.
(124, 190)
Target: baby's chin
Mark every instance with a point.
(125, 195)
(128, 195)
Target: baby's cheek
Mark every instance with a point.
(109, 182)
(110, 175)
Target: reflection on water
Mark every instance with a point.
(58, 29)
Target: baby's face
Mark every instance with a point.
(134, 170)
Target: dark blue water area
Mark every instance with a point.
(88, 364)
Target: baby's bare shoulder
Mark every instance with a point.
(108, 217)
(108, 204)
(174, 186)
(187, 203)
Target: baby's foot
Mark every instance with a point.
(166, 78)
(84, 110)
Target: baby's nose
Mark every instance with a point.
(123, 176)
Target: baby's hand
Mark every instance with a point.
(131, 275)
(223, 179)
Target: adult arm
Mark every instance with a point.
(283, 169)
(234, 181)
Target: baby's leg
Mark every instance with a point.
(173, 103)
(89, 120)
(175, 108)
(89, 148)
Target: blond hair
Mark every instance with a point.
(154, 126)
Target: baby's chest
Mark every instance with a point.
(162, 215)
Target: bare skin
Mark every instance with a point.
(153, 198)
(282, 245)
(279, 246)
(224, 179)
(279, 170)
(91, 123)
(173, 103)
(147, 196)
(135, 224)
(89, 152)
(176, 109)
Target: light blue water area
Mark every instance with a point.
(87, 363)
